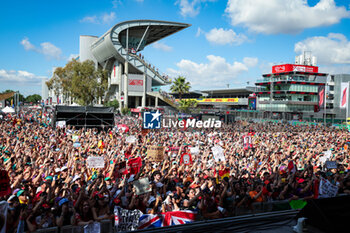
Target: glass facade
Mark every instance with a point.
(293, 87)
(286, 107)
(289, 97)
(302, 102)
(293, 77)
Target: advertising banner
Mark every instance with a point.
(215, 100)
(293, 67)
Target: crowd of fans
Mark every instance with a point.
(168, 96)
(51, 184)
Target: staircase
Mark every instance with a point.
(139, 63)
(165, 99)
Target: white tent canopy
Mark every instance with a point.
(8, 109)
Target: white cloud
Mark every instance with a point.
(333, 49)
(215, 73)
(27, 45)
(105, 18)
(89, 19)
(283, 16)
(222, 37)
(108, 18)
(187, 8)
(49, 50)
(162, 46)
(20, 78)
(335, 69)
(250, 61)
(190, 8)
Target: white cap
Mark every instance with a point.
(76, 177)
(38, 189)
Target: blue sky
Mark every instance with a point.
(230, 42)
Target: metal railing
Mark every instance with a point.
(164, 78)
(106, 226)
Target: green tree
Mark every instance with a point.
(187, 106)
(33, 98)
(180, 86)
(80, 80)
(125, 111)
(113, 103)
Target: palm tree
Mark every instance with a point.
(180, 86)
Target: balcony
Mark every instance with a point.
(289, 102)
(267, 92)
(289, 81)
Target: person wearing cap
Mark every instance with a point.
(52, 149)
(66, 214)
(304, 189)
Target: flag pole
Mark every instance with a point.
(325, 103)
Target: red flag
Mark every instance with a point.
(123, 127)
(134, 165)
(343, 100)
(321, 97)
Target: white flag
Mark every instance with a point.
(344, 95)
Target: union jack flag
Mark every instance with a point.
(166, 219)
(179, 217)
(147, 221)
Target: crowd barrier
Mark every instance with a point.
(263, 207)
(257, 208)
(106, 226)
